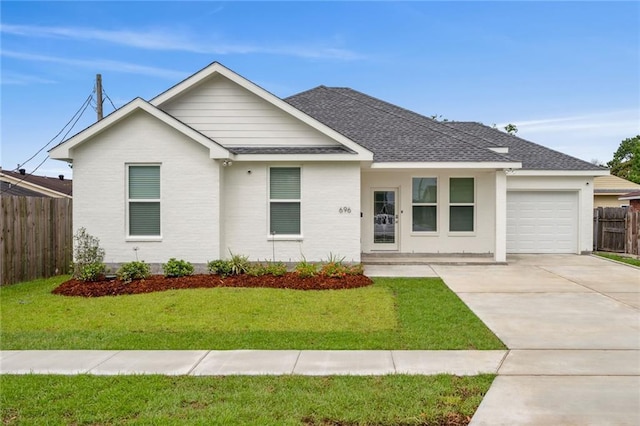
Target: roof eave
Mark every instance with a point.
(529, 172)
(301, 157)
(493, 165)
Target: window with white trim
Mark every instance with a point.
(461, 204)
(284, 200)
(424, 204)
(143, 200)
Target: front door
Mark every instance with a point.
(385, 219)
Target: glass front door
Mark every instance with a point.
(385, 220)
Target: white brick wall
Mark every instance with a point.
(189, 191)
(325, 188)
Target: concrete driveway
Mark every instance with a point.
(573, 326)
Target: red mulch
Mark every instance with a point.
(159, 283)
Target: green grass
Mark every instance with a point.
(624, 259)
(272, 400)
(394, 313)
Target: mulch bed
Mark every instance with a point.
(160, 283)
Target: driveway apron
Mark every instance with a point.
(573, 326)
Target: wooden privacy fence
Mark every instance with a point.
(616, 230)
(36, 239)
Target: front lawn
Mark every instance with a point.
(272, 400)
(394, 313)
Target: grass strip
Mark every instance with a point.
(270, 400)
(394, 313)
(623, 259)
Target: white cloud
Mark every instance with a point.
(588, 136)
(102, 64)
(164, 40)
(10, 78)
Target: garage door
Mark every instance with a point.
(542, 222)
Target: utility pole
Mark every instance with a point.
(99, 95)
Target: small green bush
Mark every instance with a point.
(177, 268)
(133, 271)
(357, 269)
(257, 270)
(220, 267)
(91, 272)
(334, 270)
(276, 269)
(334, 267)
(239, 264)
(306, 269)
(88, 256)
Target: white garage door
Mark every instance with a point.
(542, 222)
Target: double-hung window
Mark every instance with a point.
(425, 204)
(284, 200)
(461, 204)
(143, 199)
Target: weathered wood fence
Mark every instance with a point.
(616, 230)
(36, 239)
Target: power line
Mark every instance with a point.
(77, 117)
(82, 108)
(107, 96)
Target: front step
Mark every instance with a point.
(428, 259)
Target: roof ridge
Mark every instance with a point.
(418, 121)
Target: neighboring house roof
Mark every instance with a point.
(613, 185)
(635, 195)
(16, 183)
(7, 188)
(396, 134)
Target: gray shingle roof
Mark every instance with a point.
(63, 186)
(532, 155)
(395, 134)
(7, 188)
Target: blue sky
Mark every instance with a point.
(566, 73)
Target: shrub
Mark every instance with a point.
(239, 264)
(306, 269)
(220, 267)
(357, 269)
(334, 270)
(334, 267)
(177, 268)
(133, 271)
(276, 269)
(88, 257)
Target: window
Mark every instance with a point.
(284, 201)
(425, 205)
(461, 204)
(144, 200)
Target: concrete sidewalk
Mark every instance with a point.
(251, 362)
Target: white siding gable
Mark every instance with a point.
(233, 116)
